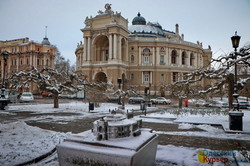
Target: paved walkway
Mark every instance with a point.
(194, 141)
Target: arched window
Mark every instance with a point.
(183, 58)
(146, 55)
(191, 59)
(146, 50)
(132, 59)
(173, 57)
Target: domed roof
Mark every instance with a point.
(139, 20)
(146, 30)
(45, 41)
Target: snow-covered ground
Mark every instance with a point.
(21, 142)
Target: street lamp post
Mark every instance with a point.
(235, 116)
(3, 101)
(119, 81)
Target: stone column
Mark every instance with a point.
(85, 49)
(119, 48)
(110, 47)
(115, 46)
(44, 60)
(142, 77)
(140, 55)
(126, 50)
(196, 60)
(89, 47)
(154, 57)
(151, 77)
(17, 63)
(188, 58)
(167, 57)
(157, 59)
(180, 58)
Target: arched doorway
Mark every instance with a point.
(101, 45)
(101, 77)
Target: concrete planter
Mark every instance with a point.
(85, 149)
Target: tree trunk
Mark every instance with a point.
(56, 102)
(180, 102)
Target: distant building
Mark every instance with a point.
(142, 54)
(23, 54)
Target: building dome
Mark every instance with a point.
(45, 41)
(139, 20)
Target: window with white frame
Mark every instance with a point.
(146, 55)
(162, 59)
(146, 77)
(146, 59)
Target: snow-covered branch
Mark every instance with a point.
(216, 76)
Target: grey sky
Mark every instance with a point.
(211, 22)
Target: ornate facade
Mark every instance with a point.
(23, 54)
(142, 54)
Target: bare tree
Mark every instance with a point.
(52, 81)
(218, 77)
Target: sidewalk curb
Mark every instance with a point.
(37, 159)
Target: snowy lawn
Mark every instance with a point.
(197, 116)
(20, 142)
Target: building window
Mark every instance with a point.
(191, 59)
(146, 50)
(162, 59)
(146, 59)
(175, 76)
(38, 61)
(173, 57)
(146, 77)
(132, 48)
(131, 76)
(47, 62)
(162, 78)
(27, 61)
(21, 61)
(146, 55)
(183, 58)
(132, 59)
(38, 49)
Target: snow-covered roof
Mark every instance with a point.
(146, 29)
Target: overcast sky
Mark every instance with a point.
(211, 22)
